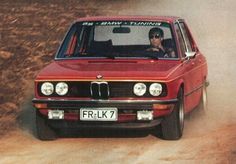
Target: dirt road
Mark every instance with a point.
(213, 146)
(29, 38)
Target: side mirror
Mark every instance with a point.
(190, 54)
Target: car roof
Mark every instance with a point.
(168, 19)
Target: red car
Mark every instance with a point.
(127, 72)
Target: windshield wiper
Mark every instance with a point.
(145, 54)
(109, 56)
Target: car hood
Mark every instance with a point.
(109, 70)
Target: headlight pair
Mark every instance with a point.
(61, 88)
(155, 89)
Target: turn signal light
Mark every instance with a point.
(40, 105)
(162, 106)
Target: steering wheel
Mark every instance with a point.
(158, 52)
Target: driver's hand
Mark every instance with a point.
(166, 56)
(153, 49)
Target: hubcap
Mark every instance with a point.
(181, 115)
(204, 97)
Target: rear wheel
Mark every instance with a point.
(172, 125)
(44, 132)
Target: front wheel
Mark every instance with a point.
(172, 125)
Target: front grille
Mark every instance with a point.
(102, 90)
(121, 89)
(99, 90)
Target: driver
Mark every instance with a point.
(156, 36)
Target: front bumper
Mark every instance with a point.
(125, 120)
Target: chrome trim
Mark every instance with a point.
(99, 83)
(35, 100)
(182, 33)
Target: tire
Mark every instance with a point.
(44, 132)
(172, 125)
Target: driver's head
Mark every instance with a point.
(156, 36)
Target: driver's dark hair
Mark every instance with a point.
(156, 30)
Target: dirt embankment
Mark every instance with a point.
(30, 34)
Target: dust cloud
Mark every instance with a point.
(27, 46)
(211, 23)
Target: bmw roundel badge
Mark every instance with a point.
(99, 76)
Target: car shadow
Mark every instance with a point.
(101, 133)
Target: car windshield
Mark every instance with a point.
(118, 39)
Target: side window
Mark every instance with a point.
(180, 39)
(187, 37)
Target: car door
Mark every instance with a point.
(192, 71)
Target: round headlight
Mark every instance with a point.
(139, 89)
(47, 88)
(155, 89)
(61, 88)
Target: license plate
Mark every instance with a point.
(98, 114)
